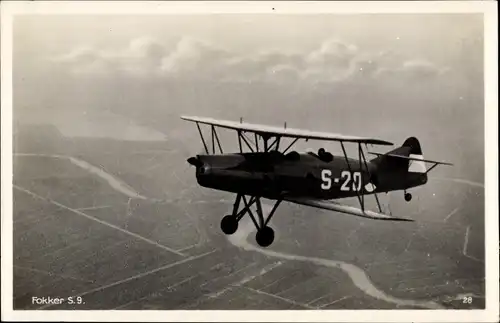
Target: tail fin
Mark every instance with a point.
(403, 167)
(408, 156)
(416, 164)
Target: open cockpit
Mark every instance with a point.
(322, 155)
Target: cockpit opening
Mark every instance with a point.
(293, 156)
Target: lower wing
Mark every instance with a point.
(334, 206)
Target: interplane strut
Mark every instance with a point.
(362, 163)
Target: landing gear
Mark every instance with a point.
(265, 234)
(229, 224)
(408, 197)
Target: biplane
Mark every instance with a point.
(263, 169)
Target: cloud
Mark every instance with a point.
(422, 69)
(411, 71)
(142, 57)
(192, 59)
(194, 56)
(333, 53)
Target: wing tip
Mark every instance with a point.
(387, 217)
(403, 219)
(385, 143)
(379, 142)
(398, 219)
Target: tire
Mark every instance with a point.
(229, 224)
(265, 237)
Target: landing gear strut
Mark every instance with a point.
(407, 197)
(229, 223)
(265, 234)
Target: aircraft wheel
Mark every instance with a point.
(265, 237)
(229, 224)
(407, 197)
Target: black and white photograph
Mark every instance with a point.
(260, 160)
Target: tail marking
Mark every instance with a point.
(417, 164)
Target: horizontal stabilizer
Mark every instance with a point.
(334, 206)
(411, 158)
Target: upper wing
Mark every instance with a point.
(334, 206)
(285, 132)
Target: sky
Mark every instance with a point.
(431, 40)
(385, 75)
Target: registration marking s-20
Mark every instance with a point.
(346, 178)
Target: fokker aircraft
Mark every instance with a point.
(312, 179)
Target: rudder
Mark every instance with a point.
(414, 144)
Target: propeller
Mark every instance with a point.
(193, 160)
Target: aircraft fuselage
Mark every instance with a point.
(273, 174)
